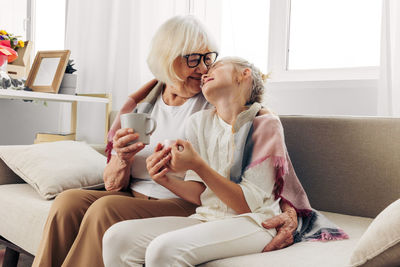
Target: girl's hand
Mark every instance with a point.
(157, 162)
(184, 157)
(124, 151)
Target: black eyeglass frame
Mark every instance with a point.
(201, 56)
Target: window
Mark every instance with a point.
(13, 17)
(42, 21)
(49, 25)
(334, 34)
(244, 30)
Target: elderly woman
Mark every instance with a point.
(181, 52)
(236, 160)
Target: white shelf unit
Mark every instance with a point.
(73, 99)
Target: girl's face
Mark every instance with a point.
(191, 77)
(219, 80)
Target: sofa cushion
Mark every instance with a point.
(7, 176)
(23, 214)
(56, 166)
(327, 254)
(380, 244)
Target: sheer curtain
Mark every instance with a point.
(109, 42)
(389, 84)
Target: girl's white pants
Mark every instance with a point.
(180, 241)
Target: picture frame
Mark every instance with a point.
(47, 71)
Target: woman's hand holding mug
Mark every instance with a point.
(133, 135)
(121, 140)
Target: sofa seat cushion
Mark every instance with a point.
(23, 213)
(327, 254)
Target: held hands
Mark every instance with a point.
(124, 151)
(184, 157)
(156, 164)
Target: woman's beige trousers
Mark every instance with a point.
(78, 219)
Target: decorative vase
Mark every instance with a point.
(68, 84)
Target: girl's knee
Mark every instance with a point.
(164, 250)
(117, 244)
(113, 245)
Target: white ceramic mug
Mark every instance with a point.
(141, 123)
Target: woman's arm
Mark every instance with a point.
(117, 172)
(143, 91)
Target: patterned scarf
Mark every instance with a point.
(258, 138)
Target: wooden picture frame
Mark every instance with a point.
(47, 71)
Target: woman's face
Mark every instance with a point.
(191, 77)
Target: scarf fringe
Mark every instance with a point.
(328, 235)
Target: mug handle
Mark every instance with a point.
(152, 128)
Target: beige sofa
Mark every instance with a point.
(349, 167)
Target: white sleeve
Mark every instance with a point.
(258, 184)
(191, 135)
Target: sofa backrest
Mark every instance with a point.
(348, 165)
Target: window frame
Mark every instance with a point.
(279, 49)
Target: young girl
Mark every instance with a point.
(235, 160)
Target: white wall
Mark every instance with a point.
(20, 121)
(356, 98)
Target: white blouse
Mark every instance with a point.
(213, 139)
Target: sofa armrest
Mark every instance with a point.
(7, 176)
(101, 148)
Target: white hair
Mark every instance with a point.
(178, 36)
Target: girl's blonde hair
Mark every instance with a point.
(258, 78)
(178, 36)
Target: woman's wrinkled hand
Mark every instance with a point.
(124, 151)
(184, 157)
(285, 224)
(157, 162)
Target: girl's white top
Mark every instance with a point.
(213, 139)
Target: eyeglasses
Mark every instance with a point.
(193, 60)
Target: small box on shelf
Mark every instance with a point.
(21, 66)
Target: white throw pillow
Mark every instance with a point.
(56, 166)
(380, 244)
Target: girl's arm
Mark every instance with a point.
(188, 190)
(229, 192)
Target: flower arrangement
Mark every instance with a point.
(14, 41)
